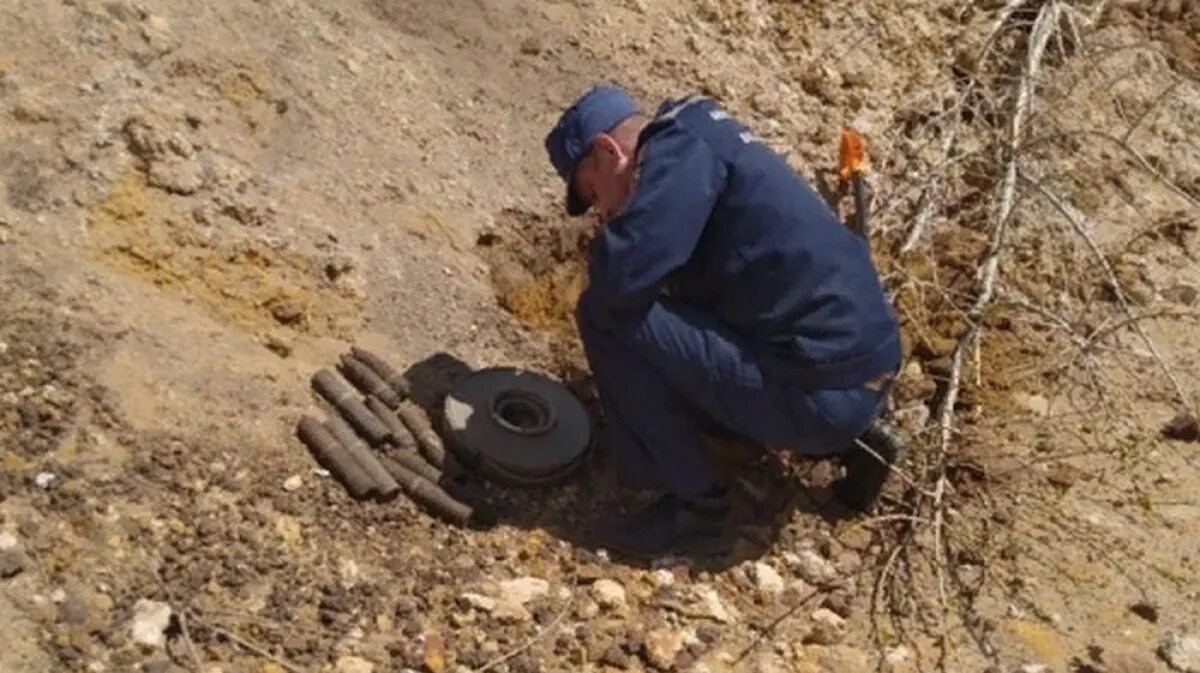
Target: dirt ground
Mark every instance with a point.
(205, 203)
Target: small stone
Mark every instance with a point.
(44, 479)
(1146, 610)
(178, 176)
(12, 562)
(1181, 652)
(614, 656)
(508, 612)
(897, 656)
(827, 629)
(712, 605)
(814, 569)
(354, 665)
(769, 662)
(1038, 405)
(663, 578)
(767, 579)
(609, 594)
(293, 483)
(1033, 667)
(1181, 294)
(150, 621)
(479, 601)
(7, 541)
(73, 610)
(840, 603)
(158, 35)
(522, 590)
(1184, 428)
(661, 646)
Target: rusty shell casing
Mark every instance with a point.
(417, 421)
(393, 378)
(346, 401)
(427, 494)
(355, 446)
(402, 438)
(367, 381)
(334, 457)
(416, 463)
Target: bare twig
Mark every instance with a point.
(562, 613)
(288, 666)
(187, 639)
(1075, 219)
(1150, 108)
(769, 628)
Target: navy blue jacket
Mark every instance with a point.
(723, 223)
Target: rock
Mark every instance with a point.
(293, 483)
(522, 590)
(711, 604)
(158, 35)
(1181, 652)
(1038, 405)
(508, 612)
(848, 562)
(178, 176)
(12, 562)
(1184, 428)
(814, 568)
(766, 579)
(897, 656)
(354, 665)
(1181, 294)
(73, 609)
(1146, 610)
(44, 479)
(841, 603)
(7, 541)
(479, 601)
(614, 656)
(609, 594)
(150, 621)
(663, 578)
(827, 628)
(1033, 667)
(661, 647)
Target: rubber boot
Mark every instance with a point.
(866, 474)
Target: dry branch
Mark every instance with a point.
(1075, 219)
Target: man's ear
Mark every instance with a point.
(613, 154)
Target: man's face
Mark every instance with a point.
(604, 177)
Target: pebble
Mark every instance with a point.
(769, 662)
(827, 629)
(1181, 652)
(354, 665)
(897, 655)
(609, 594)
(12, 562)
(1033, 667)
(661, 648)
(522, 590)
(814, 568)
(292, 483)
(767, 579)
(3, 347)
(663, 578)
(7, 541)
(44, 479)
(150, 621)
(1127, 661)
(713, 606)
(479, 601)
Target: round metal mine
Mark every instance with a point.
(518, 426)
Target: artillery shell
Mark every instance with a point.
(428, 494)
(416, 420)
(395, 379)
(367, 381)
(346, 401)
(386, 486)
(414, 462)
(401, 437)
(334, 457)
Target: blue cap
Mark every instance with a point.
(597, 111)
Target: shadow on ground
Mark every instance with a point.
(769, 489)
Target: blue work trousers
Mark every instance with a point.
(666, 375)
